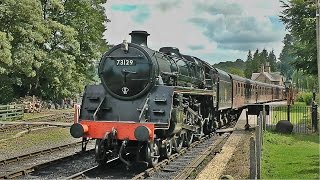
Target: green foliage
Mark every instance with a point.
(248, 71)
(304, 82)
(290, 156)
(304, 97)
(236, 67)
(299, 97)
(272, 59)
(286, 57)
(254, 62)
(35, 139)
(307, 98)
(299, 18)
(48, 47)
(5, 52)
(82, 14)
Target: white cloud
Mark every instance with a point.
(215, 30)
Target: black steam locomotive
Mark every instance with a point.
(151, 103)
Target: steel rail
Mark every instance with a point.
(160, 166)
(27, 170)
(214, 148)
(81, 175)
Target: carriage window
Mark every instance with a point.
(243, 90)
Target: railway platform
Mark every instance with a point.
(225, 163)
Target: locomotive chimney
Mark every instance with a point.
(139, 37)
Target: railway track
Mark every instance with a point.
(22, 165)
(78, 166)
(181, 165)
(97, 171)
(178, 166)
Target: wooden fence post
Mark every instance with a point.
(253, 159)
(259, 140)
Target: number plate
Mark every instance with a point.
(125, 62)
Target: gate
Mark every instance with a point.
(300, 117)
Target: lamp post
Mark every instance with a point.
(287, 85)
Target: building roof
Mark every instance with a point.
(276, 76)
(254, 76)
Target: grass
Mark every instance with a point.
(28, 116)
(299, 113)
(290, 156)
(35, 138)
(8, 134)
(46, 114)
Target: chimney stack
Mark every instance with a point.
(262, 68)
(139, 37)
(268, 68)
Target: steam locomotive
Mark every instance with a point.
(151, 103)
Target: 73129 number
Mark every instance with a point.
(125, 62)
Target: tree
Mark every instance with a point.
(23, 22)
(272, 59)
(40, 45)
(87, 17)
(236, 71)
(5, 52)
(286, 57)
(263, 57)
(6, 90)
(248, 70)
(256, 62)
(298, 16)
(237, 67)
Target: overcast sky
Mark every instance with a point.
(213, 30)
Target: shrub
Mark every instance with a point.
(304, 97)
(307, 98)
(299, 97)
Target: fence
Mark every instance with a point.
(299, 116)
(11, 111)
(255, 149)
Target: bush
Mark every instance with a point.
(307, 98)
(299, 97)
(304, 97)
(6, 94)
